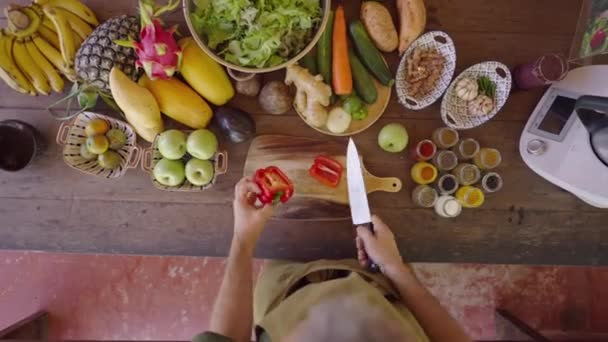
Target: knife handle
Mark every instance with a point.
(371, 266)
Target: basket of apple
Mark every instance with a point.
(184, 160)
(99, 145)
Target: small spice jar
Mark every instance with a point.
(424, 150)
(445, 137)
(470, 197)
(488, 158)
(466, 174)
(445, 160)
(424, 196)
(448, 207)
(491, 182)
(424, 173)
(447, 184)
(466, 149)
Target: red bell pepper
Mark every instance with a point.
(327, 171)
(274, 184)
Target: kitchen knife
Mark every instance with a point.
(357, 195)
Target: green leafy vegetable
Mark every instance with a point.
(486, 86)
(354, 106)
(256, 33)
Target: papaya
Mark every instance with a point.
(178, 101)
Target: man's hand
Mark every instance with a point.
(380, 246)
(249, 220)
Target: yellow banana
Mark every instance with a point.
(78, 25)
(54, 56)
(49, 36)
(67, 44)
(23, 21)
(9, 72)
(46, 22)
(74, 6)
(47, 68)
(77, 40)
(28, 66)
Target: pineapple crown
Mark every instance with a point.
(157, 51)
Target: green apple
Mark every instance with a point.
(109, 159)
(169, 172)
(393, 138)
(199, 172)
(117, 138)
(202, 144)
(172, 144)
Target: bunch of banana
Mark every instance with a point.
(40, 44)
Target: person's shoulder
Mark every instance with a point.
(210, 337)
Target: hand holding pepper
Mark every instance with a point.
(249, 220)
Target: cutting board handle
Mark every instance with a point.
(388, 184)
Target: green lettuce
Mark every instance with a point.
(256, 33)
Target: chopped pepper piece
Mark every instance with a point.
(275, 185)
(327, 171)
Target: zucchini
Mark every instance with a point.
(309, 61)
(363, 82)
(370, 56)
(324, 50)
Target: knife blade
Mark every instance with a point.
(357, 195)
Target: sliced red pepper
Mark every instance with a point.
(327, 171)
(274, 184)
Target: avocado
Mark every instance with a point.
(235, 124)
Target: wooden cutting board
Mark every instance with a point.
(312, 200)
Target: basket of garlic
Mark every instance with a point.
(476, 95)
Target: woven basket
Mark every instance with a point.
(445, 46)
(71, 136)
(454, 111)
(151, 156)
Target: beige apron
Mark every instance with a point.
(278, 309)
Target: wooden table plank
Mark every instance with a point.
(487, 236)
(50, 178)
(52, 207)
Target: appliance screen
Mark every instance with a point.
(558, 115)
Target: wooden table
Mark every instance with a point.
(50, 207)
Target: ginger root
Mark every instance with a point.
(312, 95)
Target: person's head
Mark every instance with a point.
(348, 319)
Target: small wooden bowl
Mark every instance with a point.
(71, 136)
(151, 156)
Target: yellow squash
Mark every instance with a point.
(204, 74)
(138, 104)
(178, 101)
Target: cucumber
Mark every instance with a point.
(309, 61)
(363, 82)
(324, 50)
(370, 56)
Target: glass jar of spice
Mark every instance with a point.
(445, 137)
(424, 196)
(466, 174)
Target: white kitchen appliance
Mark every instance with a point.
(556, 144)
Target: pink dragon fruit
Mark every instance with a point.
(157, 51)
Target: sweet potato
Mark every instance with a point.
(379, 25)
(412, 21)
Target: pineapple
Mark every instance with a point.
(94, 60)
(98, 54)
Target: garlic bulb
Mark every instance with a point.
(467, 89)
(481, 105)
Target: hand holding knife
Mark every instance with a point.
(357, 195)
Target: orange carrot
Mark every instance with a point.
(342, 78)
